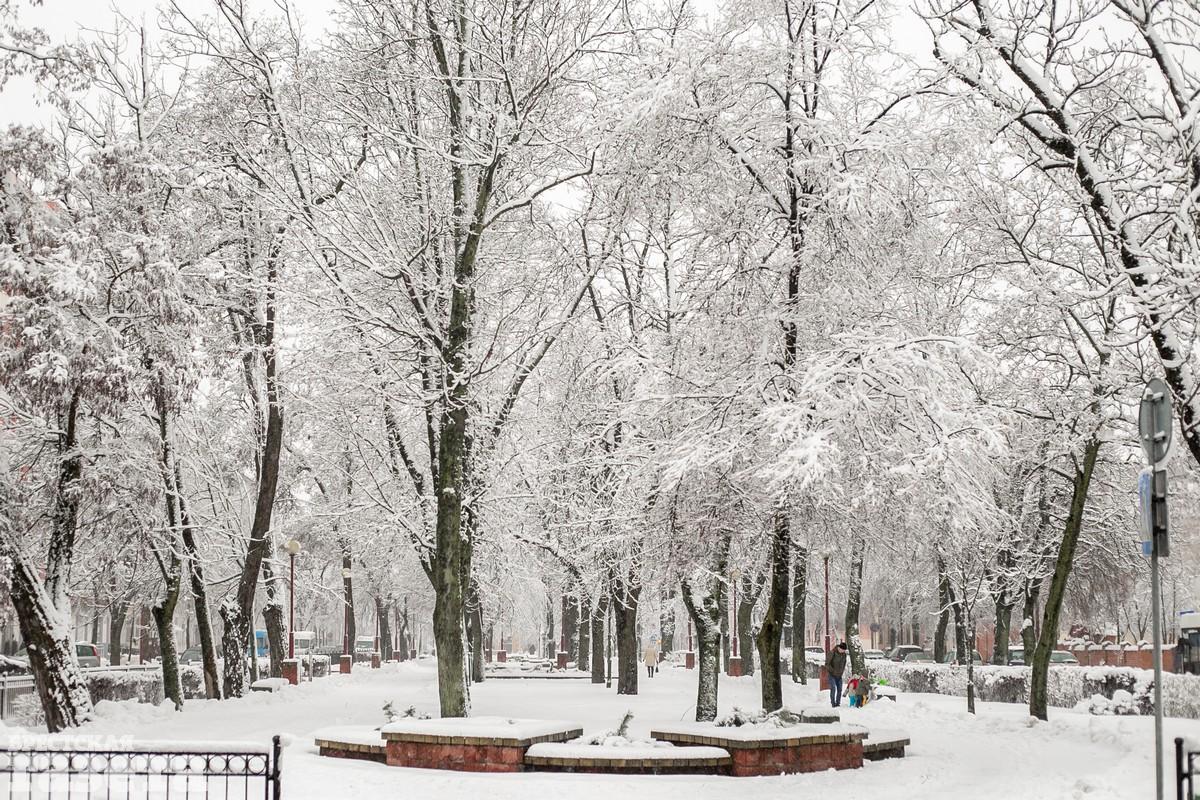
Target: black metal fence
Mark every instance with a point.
(1185, 771)
(50, 773)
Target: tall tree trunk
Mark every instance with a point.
(799, 616)
(383, 613)
(747, 600)
(571, 624)
(208, 649)
(583, 654)
(42, 608)
(65, 700)
(475, 631)
(1003, 626)
(771, 630)
(170, 562)
(1048, 638)
(853, 605)
(666, 624)
(237, 638)
(943, 593)
(725, 649)
(1033, 588)
(164, 621)
(116, 630)
(625, 607)
(706, 616)
(273, 622)
(960, 627)
(599, 615)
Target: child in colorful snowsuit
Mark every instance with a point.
(858, 689)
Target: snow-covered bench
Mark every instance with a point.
(884, 744)
(890, 692)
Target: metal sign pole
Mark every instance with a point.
(1156, 610)
(1155, 426)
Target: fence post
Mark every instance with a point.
(276, 754)
(1179, 773)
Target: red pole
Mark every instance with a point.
(292, 610)
(689, 634)
(828, 638)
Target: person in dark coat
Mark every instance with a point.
(835, 667)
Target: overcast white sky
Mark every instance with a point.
(62, 20)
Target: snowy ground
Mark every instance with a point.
(999, 753)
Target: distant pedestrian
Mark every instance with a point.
(835, 667)
(650, 657)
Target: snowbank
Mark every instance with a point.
(1068, 686)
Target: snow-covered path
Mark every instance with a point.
(998, 753)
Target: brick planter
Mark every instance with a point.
(474, 744)
(734, 666)
(689, 660)
(290, 669)
(776, 751)
(347, 664)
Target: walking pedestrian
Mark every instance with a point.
(835, 667)
(650, 657)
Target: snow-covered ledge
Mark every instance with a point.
(659, 758)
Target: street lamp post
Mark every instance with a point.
(735, 661)
(293, 549)
(828, 637)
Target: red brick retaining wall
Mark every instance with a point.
(465, 757)
(796, 758)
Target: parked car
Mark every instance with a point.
(951, 655)
(1016, 656)
(918, 657)
(192, 655)
(13, 666)
(898, 653)
(86, 654)
(874, 655)
(1063, 657)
